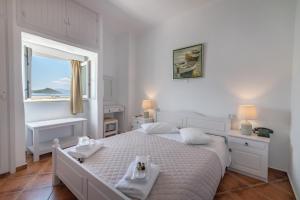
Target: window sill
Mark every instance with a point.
(49, 100)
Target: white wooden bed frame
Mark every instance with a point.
(85, 186)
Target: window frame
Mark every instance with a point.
(87, 64)
(28, 75)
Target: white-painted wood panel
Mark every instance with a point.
(31, 12)
(56, 19)
(2, 8)
(82, 24)
(4, 140)
(64, 19)
(43, 15)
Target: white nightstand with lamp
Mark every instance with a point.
(147, 105)
(249, 152)
(137, 121)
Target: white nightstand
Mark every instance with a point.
(138, 121)
(249, 154)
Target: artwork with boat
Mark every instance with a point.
(187, 62)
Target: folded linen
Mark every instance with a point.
(139, 190)
(87, 152)
(86, 145)
(129, 175)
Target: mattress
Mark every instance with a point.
(186, 171)
(217, 145)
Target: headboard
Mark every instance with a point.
(182, 119)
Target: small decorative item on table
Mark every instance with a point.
(263, 132)
(141, 168)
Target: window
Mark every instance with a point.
(48, 76)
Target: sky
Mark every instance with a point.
(50, 73)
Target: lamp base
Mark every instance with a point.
(246, 128)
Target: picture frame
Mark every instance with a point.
(188, 62)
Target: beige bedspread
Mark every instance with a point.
(187, 171)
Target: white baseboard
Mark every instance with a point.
(280, 169)
(293, 186)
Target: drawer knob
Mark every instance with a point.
(246, 144)
(230, 150)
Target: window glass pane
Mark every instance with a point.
(84, 80)
(50, 77)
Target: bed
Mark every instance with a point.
(187, 171)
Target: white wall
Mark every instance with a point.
(109, 57)
(118, 59)
(4, 114)
(295, 132)
(122, 53)
(248, 54)
(126, 74)
(56, 110)
(16, 107)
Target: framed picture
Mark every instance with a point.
(188, 62)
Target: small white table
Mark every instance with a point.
(138, 121)
(249, 154)
(107, 131)
(116, 111)
(38, 148)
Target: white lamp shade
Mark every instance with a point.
(247, 112)
(147, 104)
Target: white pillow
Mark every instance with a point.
(159, 127)
(194, 136)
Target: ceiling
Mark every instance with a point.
(155, 11)
(140, 14)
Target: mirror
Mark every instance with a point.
(108, 88)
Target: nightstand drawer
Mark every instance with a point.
(254, 164)
(113, 109)
(247, 143)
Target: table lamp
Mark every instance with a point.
(147, 104)
(247, 112)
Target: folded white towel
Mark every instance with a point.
(139, 190)
(130, 173)
(78, 154)
(129, 176)
(87, 145)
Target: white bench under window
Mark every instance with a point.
(38, 148)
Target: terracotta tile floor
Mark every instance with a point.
(235, 186)
(34, 183)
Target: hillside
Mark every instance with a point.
(46, 91)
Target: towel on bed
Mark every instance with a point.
(129, 176)
(78, 154)
(137, 189)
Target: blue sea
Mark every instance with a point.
(62, 94)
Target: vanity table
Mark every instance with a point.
(114, 118)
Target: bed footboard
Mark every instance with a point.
(80, 182)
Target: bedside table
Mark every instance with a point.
(249, 154)
(138, 121)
